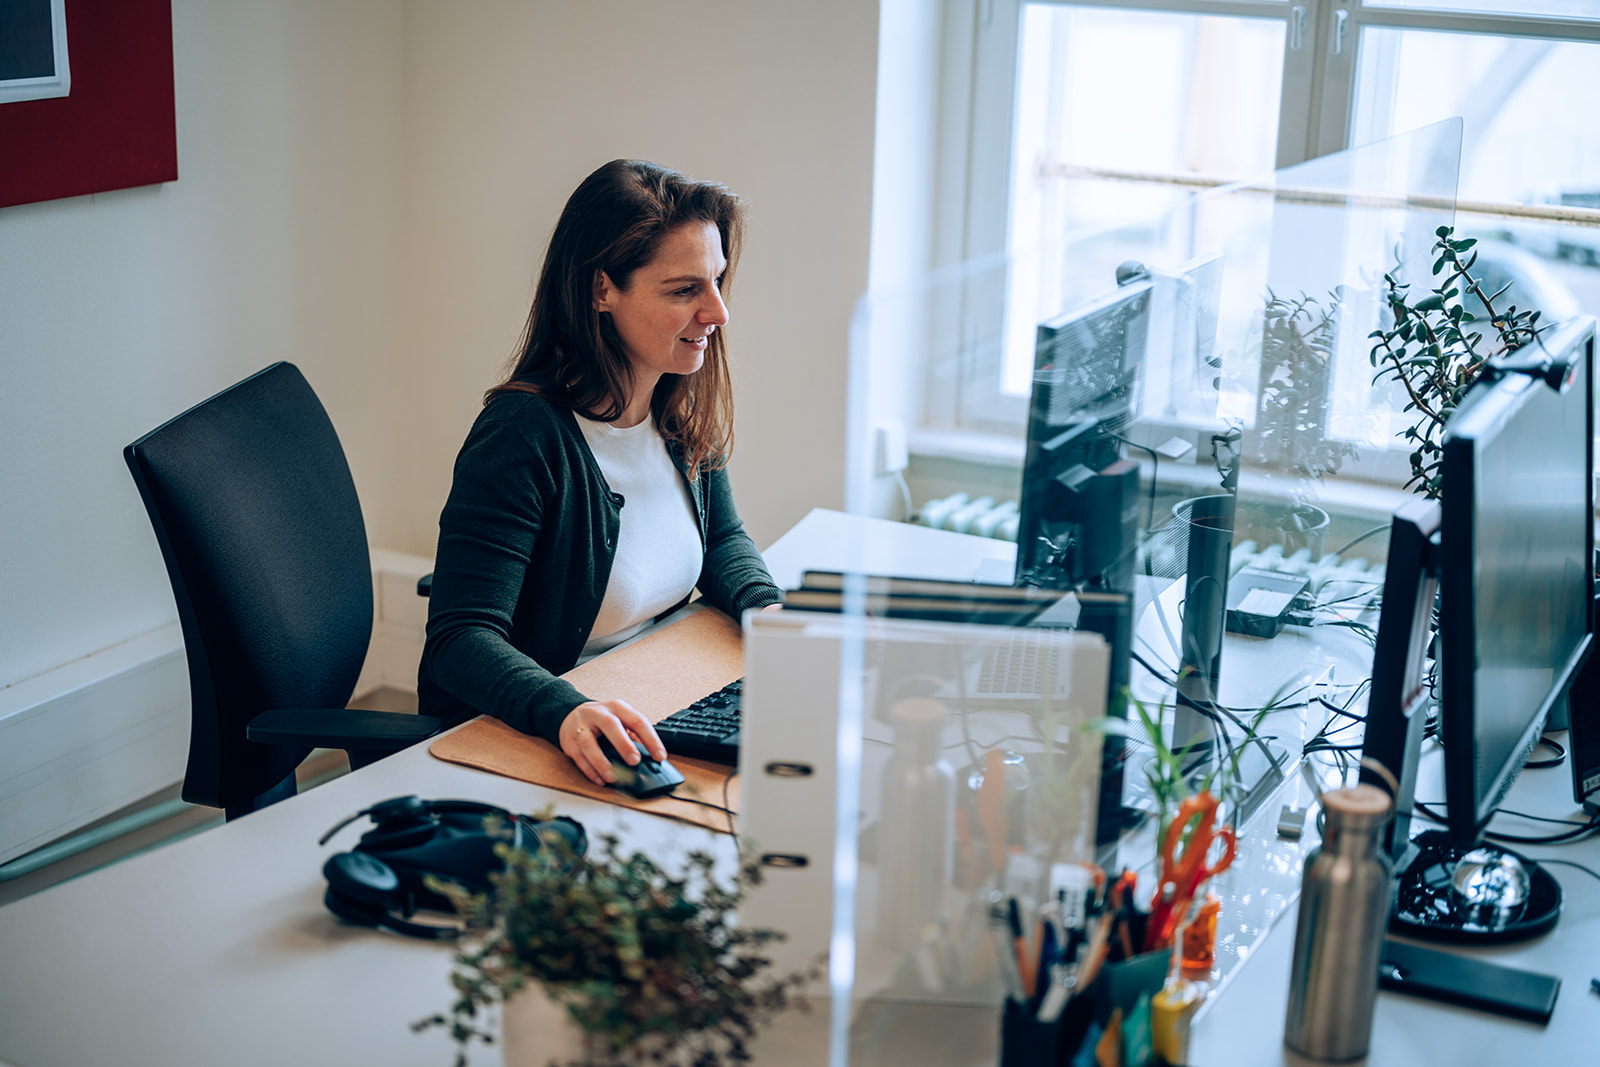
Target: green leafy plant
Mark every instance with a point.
(1433, 350)
(1298, 340)
(1173, 774)
(648, 964)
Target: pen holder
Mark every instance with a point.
(1120, 984)
(1027, 1042)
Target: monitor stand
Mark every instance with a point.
(1484, 893)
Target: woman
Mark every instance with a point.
(590, 497)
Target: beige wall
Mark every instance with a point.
(510, 104)
(364, 188)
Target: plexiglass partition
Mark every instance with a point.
(961, 797)
(1209, 458)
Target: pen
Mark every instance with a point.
(1094, 953)
(1047, 958)
(970, 872)
(1020, 946)
(1063, 980)
(1010, 973)
(991, 808)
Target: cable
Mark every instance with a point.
(905, 493)
(1554, 839)
(1337, 710)
(1579, 831)
(1540, 818)
(724, 807)
(1348, 545)
(1554, 761)
(1568, 863)
(1155, 470)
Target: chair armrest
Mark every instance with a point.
(350, 729)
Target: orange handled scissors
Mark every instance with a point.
(1182, 872)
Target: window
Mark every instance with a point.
(1075, 115)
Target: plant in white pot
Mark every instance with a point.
(619, 960)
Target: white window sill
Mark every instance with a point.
(990, 449)
(1343, 496)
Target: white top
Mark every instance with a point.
(659, 555)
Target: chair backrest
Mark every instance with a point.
(257, 517)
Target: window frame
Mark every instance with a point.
(980, 59)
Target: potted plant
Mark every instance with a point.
(1433, 350)
(637, 963)
(1189, 793)
(1298, 341)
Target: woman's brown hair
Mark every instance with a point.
(570, 352)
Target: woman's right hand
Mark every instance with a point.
(617, 720)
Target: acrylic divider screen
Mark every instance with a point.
(1220, 350)
(969, 762)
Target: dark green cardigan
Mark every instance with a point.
(526, 542)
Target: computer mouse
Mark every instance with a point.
(647, 778)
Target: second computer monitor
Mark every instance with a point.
(1514, 558)
(1517, 584)
(1086, 373)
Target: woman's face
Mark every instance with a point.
(672, 304)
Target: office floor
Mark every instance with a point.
(321, 767)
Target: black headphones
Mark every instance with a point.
(380, 881)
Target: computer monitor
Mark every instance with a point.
(1185, 314)
(1517, 573)
(1514, 562)
(1079, 518)
(1583, 736)
(1078, 511)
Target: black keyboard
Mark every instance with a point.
(708, 729)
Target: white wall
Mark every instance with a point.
(117, 311)
(365, 188)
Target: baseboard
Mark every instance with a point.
(112, 728)
(400, 619)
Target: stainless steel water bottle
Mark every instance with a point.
(1344, 909)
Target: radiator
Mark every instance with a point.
(81, 741)
(961, 513)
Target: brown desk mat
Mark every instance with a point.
(658, 674)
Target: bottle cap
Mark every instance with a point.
(1359, 805)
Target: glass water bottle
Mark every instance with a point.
(914, 835)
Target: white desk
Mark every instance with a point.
(1245, 1025)
(217, 949)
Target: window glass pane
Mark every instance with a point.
(1115, 108)
(1529, 137)
(1571, 9)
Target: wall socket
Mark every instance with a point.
(889, 452)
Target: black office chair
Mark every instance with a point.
(257, 517)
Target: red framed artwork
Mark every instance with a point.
(116, 125)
